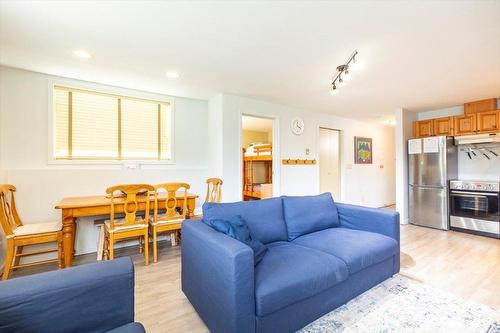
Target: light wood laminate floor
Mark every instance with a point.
(462, 264)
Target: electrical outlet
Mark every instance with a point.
(131, 166)
(307, 151)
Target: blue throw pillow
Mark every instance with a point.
(236, 227)
(307, 214)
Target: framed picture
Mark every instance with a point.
(363, 150)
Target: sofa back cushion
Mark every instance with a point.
(264, 218)
(307, 214)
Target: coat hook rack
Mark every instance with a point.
(290, 161)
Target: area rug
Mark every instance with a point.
(401, 305)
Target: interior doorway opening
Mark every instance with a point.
(329, 162)
(257, 157)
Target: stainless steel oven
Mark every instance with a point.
(474, 207)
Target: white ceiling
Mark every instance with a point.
(418, 55)
(256, 124)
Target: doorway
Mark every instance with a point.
(329, 161)
(257, 157)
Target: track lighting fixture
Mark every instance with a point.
(343, 73)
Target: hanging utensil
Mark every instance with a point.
(493, 152)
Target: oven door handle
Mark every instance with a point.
(472, 194)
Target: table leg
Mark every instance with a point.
(191, 205)
(68, 236)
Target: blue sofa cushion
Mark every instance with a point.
(129, 328)
(307, 214)
(237, 228)
(264, 217)
(358, 249)
(289, 273)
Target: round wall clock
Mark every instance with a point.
(297, 126)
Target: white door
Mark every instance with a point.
(329, 162)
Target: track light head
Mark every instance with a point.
(344, 73)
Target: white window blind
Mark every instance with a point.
(98, 126)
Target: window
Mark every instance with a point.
(90, 125)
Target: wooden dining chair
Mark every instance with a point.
(214, 189)
(19, 235)
(169, 221)
(131, 196)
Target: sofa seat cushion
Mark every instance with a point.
(263, 217)
(129, 328)
(307, 214)
(289, 273)
(358, 249)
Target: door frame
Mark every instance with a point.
(276, 151)
(341, 159)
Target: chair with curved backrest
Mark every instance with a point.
(171, 220)
(214, 188)
(131, 196)
(19, 235)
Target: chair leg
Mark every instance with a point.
(141, 245)
(155, 246)
(59, 253)
(9, 256)
(106, 247)
(178, 236)
(111, 247)
(146, 248)
(17, 259)
(173, 240)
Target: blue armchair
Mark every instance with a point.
(97, 297)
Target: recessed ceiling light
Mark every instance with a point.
(172, 75)
(82, 54)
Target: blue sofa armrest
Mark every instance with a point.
(218, 278)
(376, 220)
(90, 298)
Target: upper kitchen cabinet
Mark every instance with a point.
(489, 104)
(465, 124)
(488, 121)
(423, 128)
(443, 126)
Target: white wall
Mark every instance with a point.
(23, 138)
(404, 126)
(446, 112)
(3, 180)
(368, 185)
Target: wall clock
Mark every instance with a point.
(297, 126)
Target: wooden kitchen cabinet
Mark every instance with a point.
(489, 104)
(423, 128)
(488, 122)
(443, 126)
(465, 124)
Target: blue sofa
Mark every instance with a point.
(320, 255)
(96, 297)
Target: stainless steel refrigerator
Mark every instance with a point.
(430, 168)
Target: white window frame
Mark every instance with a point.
(52, 160)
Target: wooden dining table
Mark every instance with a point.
(75, 207)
